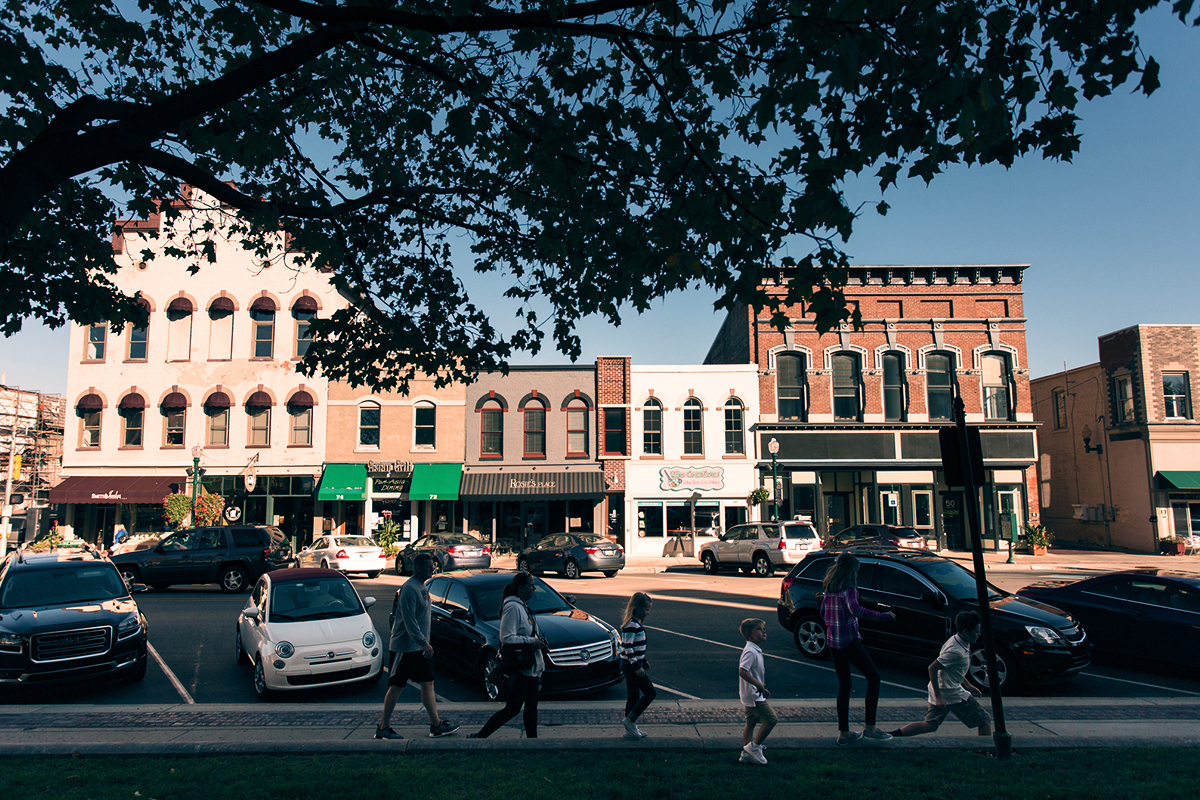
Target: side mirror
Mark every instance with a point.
(158, 548)
(933, 598)
(251, 612)
(138, 587)
(368, 602)
(570, 598)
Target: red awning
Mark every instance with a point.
(90, 402)
(131, 401)
(182, 305)
(301, 399)
(218, 400)
(260, 400)
(306, 304)
(221, 304)
(107, 490)
(174, 400)
(263, 304)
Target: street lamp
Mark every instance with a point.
(773, 448)
(197, 451)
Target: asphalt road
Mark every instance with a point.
(693, 648)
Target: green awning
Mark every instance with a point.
(1179, 479)
(435, 482)
(343, 482)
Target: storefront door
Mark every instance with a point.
(535, 523)
(837, 512)
(952, 521)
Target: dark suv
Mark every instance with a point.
(232, 557)
(878, 536)
(1035, 643)
(67, 615)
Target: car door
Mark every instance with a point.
(311, 555)
(169, 559)
(254, 629)
(728, 548)
(539, 556)
(209, 550)
(456, 633)
(440, 635)
(921, 625)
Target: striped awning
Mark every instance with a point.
(550, 483)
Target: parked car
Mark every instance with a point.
(1148, 613)
(68, 616)
(878, 536)
(465, 632)
(450, 551)
(572, 554)
(1035, 643)
(759, 547)
(345, 554)
(307, 627)
(232, 557)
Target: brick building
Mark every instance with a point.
(855, 413)
(1120, 444)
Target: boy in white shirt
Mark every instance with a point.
(948, 691)
(753, 692)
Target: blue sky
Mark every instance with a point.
(1112, 239)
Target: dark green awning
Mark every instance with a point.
(343, 482)
(1179, 479)
(435, 482)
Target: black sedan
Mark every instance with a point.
(450, 551)
(571, 554)
(465, 633)
(1147, 613)
(1035, 643)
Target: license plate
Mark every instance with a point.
(608, 552)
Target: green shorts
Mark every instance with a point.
(760, 714)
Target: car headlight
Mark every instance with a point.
(10, 642)
(129, 627)
(285, 650)
(1046, 636)
(369, 639)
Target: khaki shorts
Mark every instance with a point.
(969, 711)
(760, 714)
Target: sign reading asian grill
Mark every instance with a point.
(690, 479)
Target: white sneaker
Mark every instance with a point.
(631, 729)
(877, 734)
(743, 757)
(754, 753)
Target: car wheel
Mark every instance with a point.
(493, 682)
(239, 650)
(130, 575)
(570, 569)
(233, 580)
(810, 637)
(523, 565)
(710, 563)
(763, 567)
(610, 573)
(1006, 669)
(372, 575)
(400, 566)
(324, 564)
(260, 681)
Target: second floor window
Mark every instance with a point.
(368, 425)
(939, 381)
(693, 428)
(97, 336)
(789, 385)
(846, 405)
(1176, 403)
(425, 425)
(893, 387)
(139, 343)
(89, 428)
(535, 430)
(303, 331)
(996, 379)
(301, 425)
(263, 322)
(218, 426)
(260, 425)
(491, 431)
(173, 427)
(131, 424)
(735, 427)
(1125, 398)
(577, 428)
(652, 428)
(614, 431)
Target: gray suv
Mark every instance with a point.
(232, 557)
(759, 547)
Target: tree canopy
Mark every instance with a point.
(597, 154)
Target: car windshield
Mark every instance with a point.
(313, 598)
(544, 601)
(354, 541)
(62, 586)
(953, 579)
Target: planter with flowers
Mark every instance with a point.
(1172, 545)
(1037, 539)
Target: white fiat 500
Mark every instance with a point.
(305, 628)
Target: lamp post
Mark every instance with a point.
(197, 451)
(773, 447)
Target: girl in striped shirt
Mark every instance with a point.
(641, 691)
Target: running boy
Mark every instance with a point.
(948, 693)
(752, 689)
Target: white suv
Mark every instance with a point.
(759, 547)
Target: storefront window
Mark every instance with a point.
(923, 509)
(650, 519)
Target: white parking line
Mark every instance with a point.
(1139, 683)
(684, 695)
(187, 698)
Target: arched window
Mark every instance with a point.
(535, 429)
(220, 329)
(735, 427)
(997, 379)
(304, 310)
(262, 320)
(789, 385)
(300, 416)
(577, 428)
(97, 335)
(139, 338)
(179, 329)
(88, 408)
(693, 428)
(258, 410)
(132, 409)
(491, 430)
(174, 411)
(847, 403)
(893, 387)
(216, 408)
(939, 384)
(425, 425)
(652, 412)
(368, 425)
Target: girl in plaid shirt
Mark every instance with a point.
(840, 610)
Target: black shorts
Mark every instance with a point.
(413, 667)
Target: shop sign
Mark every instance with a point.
(388, 485)
(388, 467)
(109, 495)
(689, 479)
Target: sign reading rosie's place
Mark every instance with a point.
(691, 479)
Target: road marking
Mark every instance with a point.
(187, 698)
(921, 691)
(1139, 683)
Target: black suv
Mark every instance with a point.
(67, 615)
(878, 536)
(233, 557)
(1035, 643)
